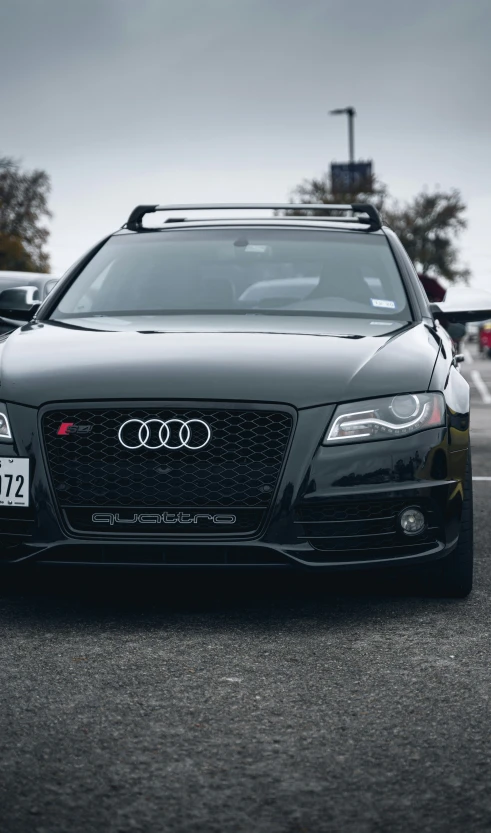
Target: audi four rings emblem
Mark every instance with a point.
(171, 434)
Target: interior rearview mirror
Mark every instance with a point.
(19, 303)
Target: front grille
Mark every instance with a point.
(363, 529)
(238, 470)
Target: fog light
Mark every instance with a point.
(412, 521)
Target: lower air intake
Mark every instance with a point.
(361, 529)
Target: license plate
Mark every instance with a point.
(14, 481)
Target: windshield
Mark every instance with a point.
(240, 270)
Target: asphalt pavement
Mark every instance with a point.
(147, 702)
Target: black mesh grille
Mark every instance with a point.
(351, 509)
(239, 467)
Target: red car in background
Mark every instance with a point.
(435, 292)
(485, 338)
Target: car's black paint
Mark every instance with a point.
(41, 361)
(307, 364)
(415, 468)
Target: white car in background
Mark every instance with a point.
(19, 290)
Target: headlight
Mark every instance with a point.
(394, 416)
(5, 433)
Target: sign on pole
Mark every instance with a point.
(351, 177)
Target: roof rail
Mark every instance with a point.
(366, 214)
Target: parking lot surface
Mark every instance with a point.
(154, 702)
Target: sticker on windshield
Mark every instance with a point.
(381, 304)
(259, 250)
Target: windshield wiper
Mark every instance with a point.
(298, 313)
(56, 322)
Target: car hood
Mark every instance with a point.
(233, 361)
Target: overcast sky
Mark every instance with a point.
(126, 102)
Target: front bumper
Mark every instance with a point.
(335, 507)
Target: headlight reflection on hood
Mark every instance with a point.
(393, 416)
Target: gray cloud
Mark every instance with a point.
(228, 98)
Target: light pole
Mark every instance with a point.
(351, 113)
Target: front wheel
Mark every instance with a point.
(452, 576)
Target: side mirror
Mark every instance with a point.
(473, 306)
(19, 303)
(49, 286)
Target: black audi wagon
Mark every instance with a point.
(239, 390)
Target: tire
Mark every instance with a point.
(452, 576)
